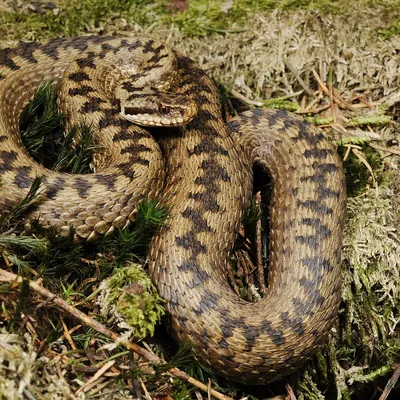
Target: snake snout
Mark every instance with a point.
(161, 112)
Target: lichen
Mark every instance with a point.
(24, 375)
(368, 341)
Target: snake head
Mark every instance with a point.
(158, 109)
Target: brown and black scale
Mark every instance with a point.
(130, 166)
(251, 343)
(209, 181)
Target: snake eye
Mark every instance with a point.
(164, 109)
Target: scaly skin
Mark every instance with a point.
(209, 170)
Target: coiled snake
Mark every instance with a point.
(204, 172)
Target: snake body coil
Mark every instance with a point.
(203, 171)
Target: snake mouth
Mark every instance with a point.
(167, 116)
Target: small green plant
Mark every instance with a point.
(131, 244)
(75, 159)
(40, 120)
(42, 133)
(68, 290)
(251, 215)
(12, 217)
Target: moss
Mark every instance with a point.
(392, 30)
(202, 16)
(130, 292)
(368, 343)
(16, 366)
(71, 18)
(391, 13)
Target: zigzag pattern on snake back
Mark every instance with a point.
(208, 168)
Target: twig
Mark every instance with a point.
(341, 101)
(362, 159)
(96, 387)
(333, 94)
(310, 106)
(95, 377)
(291, 394)
(320, 82)
(143, 387)
(6, 276)
(293, 70)
(364, 103)
(28, 395)
(315, 111)
(240, 97)
(386, 149)
(61, 378)
(391, 382)
(232, 281)
(330, 88)
(198, 395)
(68, 335)
(243, 261)
(259, 249)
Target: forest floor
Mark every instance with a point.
(338, 64)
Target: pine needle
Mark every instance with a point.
(20, 208)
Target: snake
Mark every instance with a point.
(158, 118)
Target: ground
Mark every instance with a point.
(337, 63)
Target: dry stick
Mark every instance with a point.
(334, 93)
(386, 149)
(232, 281)
(95, 377)
(6, 276)
(62, 379)
(363, 103)
(260, 267)
(362, 159)
(143, 387)
(341, 101)
(240, 97)
(293, 70)
(198, 395)
(291, 394)
(68, 335)
(315, 111)
(333, 110)
(390, 385)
